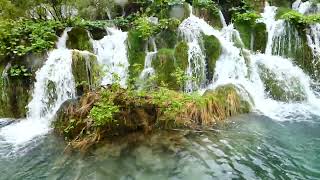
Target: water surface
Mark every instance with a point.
(247, 147)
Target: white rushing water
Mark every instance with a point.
(239, 67)
(283, 39)
(111, 52)
(196, 70)
(54, 85)
(148, 70)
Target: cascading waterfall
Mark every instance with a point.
(196, 58)
(111, 52)
(283, 39)
(237, 66)
(54, 85)
(313, 40)
(150, 55)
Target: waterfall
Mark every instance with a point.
(111, 53)
(237, 66)
(150, 55)
(283, 39)
(307, 7)
(54, 85)
(222, 19)
(196, 58)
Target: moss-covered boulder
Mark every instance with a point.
(136, 54)
(79, 39)
(166, 39)
(210, 16)
(168, 64)
(212, 48)
(15, 95)
(181, 54)
(16, 83)
(86, 71)
(98, 33)
(254, 35)
(286, 89)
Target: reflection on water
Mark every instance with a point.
(248, 147)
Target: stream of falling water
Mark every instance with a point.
(54, 85)
(234, 67)
(150, 55)
(111, 52)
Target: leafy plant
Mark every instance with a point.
(247, 17)
(16, 71)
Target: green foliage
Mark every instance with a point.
(18, 71)
(247, 17)
(213, 49)
(180, 76)
(104, 111)
(95, 9)
(21, 37)
(206, 4)
(299, 19)
(146, 29)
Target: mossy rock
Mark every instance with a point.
(257, 31)
(209, 16)
(98, 33)
(143, 111)
(86, 71)
(181, 55)
(179, 11)
(298, 51)
(288, 90)
(136, 54)
(15, 91)
(260, 37)
(14, 97)
(164, 65)
(166, 39)
(79, 39)
(229, 97)
(213, 49)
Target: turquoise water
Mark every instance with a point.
(247, 147)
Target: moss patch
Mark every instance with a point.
(86, 71)
(287, 90)
(252, 32)
(136, 54)
(213, 50)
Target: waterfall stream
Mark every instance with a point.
(111, 52)
(54, 85)
(237, 66)
(150, 55)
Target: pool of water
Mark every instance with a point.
(247, 147)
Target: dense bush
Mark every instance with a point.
(23, 36)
